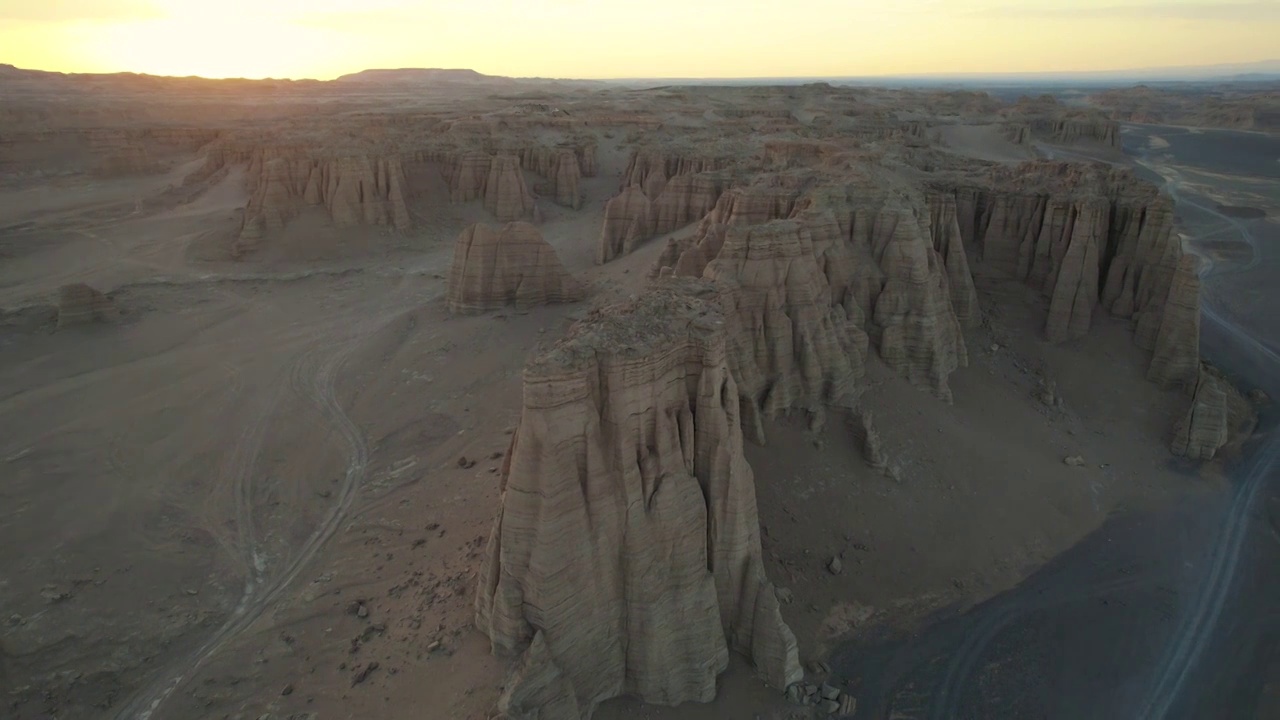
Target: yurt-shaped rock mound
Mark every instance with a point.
(494, 267)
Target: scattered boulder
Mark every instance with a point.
(1219, 416)
(80, 304)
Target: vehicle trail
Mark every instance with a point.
(1199, 622)
(313, 374)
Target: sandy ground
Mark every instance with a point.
(287, 429)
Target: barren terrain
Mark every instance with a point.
(257, 473)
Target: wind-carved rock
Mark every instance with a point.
(1219, 416)
(789, 346)
(652, 169)
(864, 432)
(505, 192)
(1085, 235)
(626, 555)
(512, 265)
(627, 222)
(1175, 358)
(685, 199)
(915, 327)
(355, 190)
(947, 240)
(566, 172)
(467, 174)
(864, 243)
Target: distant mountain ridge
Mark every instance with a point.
(422, 75)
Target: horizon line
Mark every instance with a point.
(1128, 73)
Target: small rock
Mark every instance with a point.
(1259, 397)
(794, 695)
(434, 646)
(835, 566)
(828, 692)
(810, 690)
(288, 690)
(817, 667)
(362, 612)
(1073, 461)
(495, 456)
(784, 595)
(462, 461)
(995, 347)
(830, 707)
(192, 591)
(848, 705)
(364, 673)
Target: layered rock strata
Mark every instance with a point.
(626, 555)
(506, 195)
(1219, 416)
(875, 258)
(510, 265)
(355, 190)
(789, 346)
(1087, 235)
(627, 222)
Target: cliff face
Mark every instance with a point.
(1219, 417)
(873, 257)
(627, 221)
(1089, 236)
(505, 192)
(626, 556)
(355, 190)
(512, 265)
(661, 191)
(789, 347)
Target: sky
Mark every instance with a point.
(633, 38)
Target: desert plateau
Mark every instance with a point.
(431, 394)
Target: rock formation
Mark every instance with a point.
(789, 346)
(868, 439)
(1087, 235)
(355, 190)
(1071, 129)
(947, 240)
(652, 168)
(1219, 416)
(1175, 359)
(505, 192)
(627, 222)
(626, 556)
(875, 254)
(916, 329)
(467, 175)
(79, 304)
(565, 175)
(512, 265)
(685, 199)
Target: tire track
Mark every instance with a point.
(315, 378)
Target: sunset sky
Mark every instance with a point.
(646, 38)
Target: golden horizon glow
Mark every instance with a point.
(588, 39)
